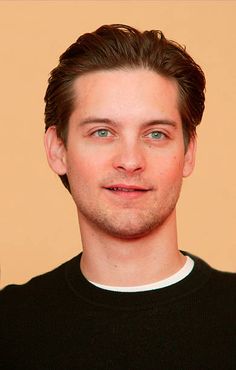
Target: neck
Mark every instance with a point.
(127, 262)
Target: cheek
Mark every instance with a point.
(84, 168)
(176, 168)
(169, 172)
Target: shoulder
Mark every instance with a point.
(36, 291)
(224, 283)
(220, 284)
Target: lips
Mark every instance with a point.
(126, 188)
(125, 192)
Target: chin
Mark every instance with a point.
(130, 230)
(126, 223)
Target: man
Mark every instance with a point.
(121, 114)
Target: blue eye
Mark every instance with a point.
(157, 135)
(102, 133)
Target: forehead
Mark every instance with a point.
(124, 94)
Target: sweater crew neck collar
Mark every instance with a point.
(88, 292)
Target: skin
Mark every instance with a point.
(125, 160)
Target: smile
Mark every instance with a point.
(125, 189)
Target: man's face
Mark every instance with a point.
(125, 155)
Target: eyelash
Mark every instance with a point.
(109, 134)
(95, 133)
(163, 135)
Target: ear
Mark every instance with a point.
(189, 160)
(55, 150)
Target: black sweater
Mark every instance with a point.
(59, 321)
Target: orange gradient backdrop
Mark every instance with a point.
(37, 217)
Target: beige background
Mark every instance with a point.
(37, 217)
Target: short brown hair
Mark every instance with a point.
(120, 46)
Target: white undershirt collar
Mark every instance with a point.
(173, 279)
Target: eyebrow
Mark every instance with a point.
(90, 120)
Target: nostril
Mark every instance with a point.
(129, 160)
(129, 166)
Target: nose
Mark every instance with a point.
(129, 158)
